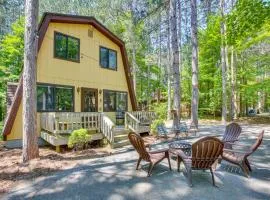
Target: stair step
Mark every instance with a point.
(120, 137)
(121, 143)
(120, 131)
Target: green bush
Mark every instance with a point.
(160, 109)
(79, 139)
(155, 124)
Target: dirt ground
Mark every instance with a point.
(12, 169)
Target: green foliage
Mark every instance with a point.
(160, 110)
(248, 33)
(161, 113)
(246, 19)
(155, 124)
(11, 59)
(11, 51)
(78, 139)
(210, 73)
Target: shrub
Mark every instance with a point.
(155, 124)
(160, 109)
(161, 112)
(78, 139)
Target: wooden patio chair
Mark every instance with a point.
(231, 134)
(162, 132)
(240, 157)
(153, 157)
(203, 154)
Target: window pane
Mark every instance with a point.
(45, 98)
(104, 57)
(109, 101)
(60, 46)
(73, 49)
(121, 101)
(112, 59)
(64, 99)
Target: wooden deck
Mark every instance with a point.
(57, 126)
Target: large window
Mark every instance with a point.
(114, 101)
(66, 47)
(108, 58)
(55, 98)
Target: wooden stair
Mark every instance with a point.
(120, 137)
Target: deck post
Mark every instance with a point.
(58, 149)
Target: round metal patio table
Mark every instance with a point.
(180, 145)
(176, 147)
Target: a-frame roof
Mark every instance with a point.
(69, 19)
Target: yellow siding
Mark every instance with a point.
(86, 74)
(16, 131)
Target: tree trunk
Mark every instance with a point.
(30, 139)
(168, 67)
(195, 83)
(237, 88)
(223, 64)
(180, 49)
(133, 40)
(175, 58)
(134, 67)
(208, 7)
(233, 84)
(159, 60)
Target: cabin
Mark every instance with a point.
(83, 81)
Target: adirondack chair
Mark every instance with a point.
(162, 131)
(240, 158)
(204, 153)
(231, 134)
(153, 157)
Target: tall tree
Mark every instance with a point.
(195, 83)
(180, 47)
(30, 139)
(223, 63)
(169, 100)
(159, 58)
(233, 85)
(133, 41)
(175, 57)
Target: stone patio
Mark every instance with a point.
(115, 177)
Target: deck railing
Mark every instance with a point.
(131, 122)
(107, 127)
(144, 116)
(139, 121)
(66, 122)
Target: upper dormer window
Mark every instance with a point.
(108, 58)
(66, 47)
